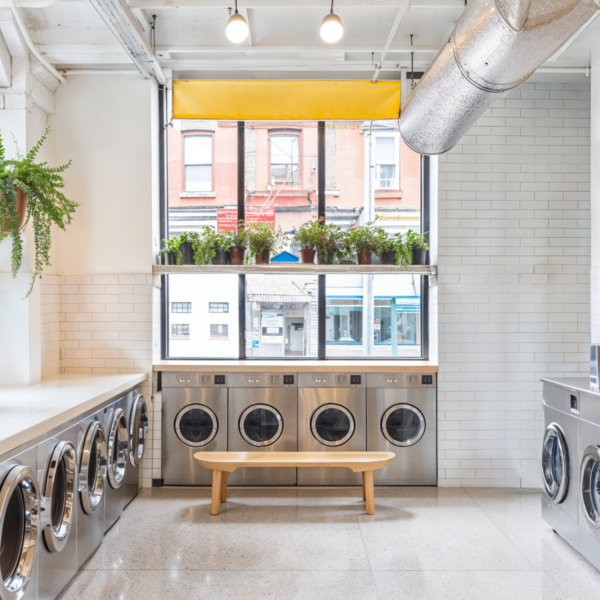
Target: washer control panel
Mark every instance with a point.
(262, 380)
(401, 380)
(331, 380)
(193, 380)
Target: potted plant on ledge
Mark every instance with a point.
(415, 243)
(32, 191)
(263, 241)
(238, 241)
(308, 237)
(364, 240)
(211, 247)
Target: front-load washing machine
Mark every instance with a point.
(401, 418)
(332, 417)
(194, 420)
(19, 525)
(57, 474)
(560, 469)
(137, 418)
(117, 449)
(91, 486)
(263, 417)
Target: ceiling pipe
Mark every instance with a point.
(496, 46)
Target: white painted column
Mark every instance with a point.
(595, 194)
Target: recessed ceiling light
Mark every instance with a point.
(237, 28)
(331, 27)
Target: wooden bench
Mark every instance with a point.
(223, 463)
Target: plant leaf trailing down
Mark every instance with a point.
(47, 205)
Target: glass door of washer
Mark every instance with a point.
(590, 485)
(261, 425)
(555, 463)
(332, 424)
(196, 425)
(403, 425)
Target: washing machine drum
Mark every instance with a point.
(555, 463)
(196, 425)
(92, 468)
(590, 485)
(403, 425)
(261, 425)
(118, 449)
(19, 522)
(138, 431)
(332, 424)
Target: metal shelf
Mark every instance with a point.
(285, 268)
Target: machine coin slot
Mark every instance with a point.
(574, 404)
(427, 379)
(219, 379)
(355, 379)
(288, 380)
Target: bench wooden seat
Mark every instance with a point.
(223, 463)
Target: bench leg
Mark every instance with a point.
(224, 486)
(216, 492)
(369, 492)
(363, 486)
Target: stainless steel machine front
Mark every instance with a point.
(137, 418)
(194, 420)
(332, 417)
(263, 417)
(401, 418)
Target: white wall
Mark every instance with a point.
(513, 296)
(595, 193)
(107, 126)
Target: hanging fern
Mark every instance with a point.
(47, 205)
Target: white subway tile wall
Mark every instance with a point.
(514, 280)
(51, 300)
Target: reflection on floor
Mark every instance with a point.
(276, 544)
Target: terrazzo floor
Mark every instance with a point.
(308, 543)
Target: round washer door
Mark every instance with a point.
(138, 430)
(19, 523)
(403, 425)
(118, 449)
(590, 485)
(555, 463)
(261, 425)
(92, 473)
(59, 493)
(332, 424)
(196, 425)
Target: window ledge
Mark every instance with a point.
(198, 195)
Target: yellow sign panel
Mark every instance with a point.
(286, 100)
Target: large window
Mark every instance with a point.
(197, 156)
(386, 161)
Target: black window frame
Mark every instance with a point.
(321, 290)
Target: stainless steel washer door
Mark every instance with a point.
(261, 425)
(138, 430)
(92, 474)
(19, 522)
(332, 424)
(196, 425)
(59, 493)
(403, 425)
(118, 449)
(555, 463)
(590, 485)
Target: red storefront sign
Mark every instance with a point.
(227, 218)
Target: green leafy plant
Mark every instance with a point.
(47, 205)
(239, 236)
(363, 238)
(309, 235)
(172, 245)
(327, 239)
(405, 244)
(262, 237)
(207, 243)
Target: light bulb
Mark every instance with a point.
(331, 28)
(237, 28)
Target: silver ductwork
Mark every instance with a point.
(496, 46)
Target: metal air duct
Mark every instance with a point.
(496, 46)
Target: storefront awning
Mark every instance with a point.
(286, 100)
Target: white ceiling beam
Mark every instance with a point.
(324, 4)
(390, 38)
(128, 31)
(5, 64)
(283, 65)
(324, 50)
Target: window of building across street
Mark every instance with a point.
(386, 162)
(219, 331)
(218, 307)
(180, 331)
(285, 158)
(197, 154)
(181, 307)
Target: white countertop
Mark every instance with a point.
(29, 411)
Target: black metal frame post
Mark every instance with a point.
(241, 170)
(163, 213)
(425, 201)
(322, 286)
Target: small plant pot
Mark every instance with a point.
(364, 258)
(21, 202)
(168, 258)
(236, 254)
(187, 253)
(307, 256)
(419, 257)
(220, 258)
(388, 257)
(263, 258)
(325, 259)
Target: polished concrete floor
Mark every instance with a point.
(276, 544)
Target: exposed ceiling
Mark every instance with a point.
(284, 39)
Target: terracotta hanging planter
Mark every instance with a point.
(237, 255)
(364, 258)
(21, 202)
(307, 256)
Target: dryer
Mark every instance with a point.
(91, 486)
(401, 418)
(194, 420)
(263, 417)
(332, 416)
(19, 525)
(57, 474)
(137, 418)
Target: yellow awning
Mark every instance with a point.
(286, 100)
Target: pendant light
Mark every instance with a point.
(331, 27)
(237, 28)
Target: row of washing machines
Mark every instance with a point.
(288, 412)
(571, 465)
(60, 496)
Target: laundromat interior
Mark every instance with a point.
(299, 298)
